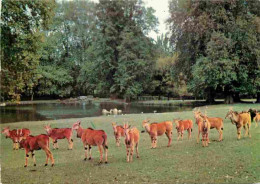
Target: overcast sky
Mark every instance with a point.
(161, 8)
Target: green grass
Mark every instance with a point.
(230, 161)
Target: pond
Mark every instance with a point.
(53, 111)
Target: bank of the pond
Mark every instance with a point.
(62, 110)
(230, 161)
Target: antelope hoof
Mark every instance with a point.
(52, 165)
(105, 162)
(34, 164)
(100, 162)
(137, 157)
(89, 158)
(85, 159)
(25, 166)
(45, 165)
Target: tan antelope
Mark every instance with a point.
(118, 132)
(215, 122)
(131, 141)
(240, 120)
(158, 129)
(182, 125)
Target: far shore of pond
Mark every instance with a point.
(170, 102)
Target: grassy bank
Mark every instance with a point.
(230, 161)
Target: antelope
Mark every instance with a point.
(240, 120)
(182, 125)
(118, 132)
(256, 119)
(205, 126)
(198, 120)
(91, 137)
(131, 141)
(59, 133)
(16, 135)
(158, 129)
(215, 122)
(32, 143)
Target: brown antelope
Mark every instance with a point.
(240, 120)
(91, 137)
(32, 143)
(131, 141)
(118, 132)
(16, 135)
(158, 129)
(182, 125)
(256, 119)
(255, 116)
(59, 133)
(215, 122)
(205, 126)
(198, 120)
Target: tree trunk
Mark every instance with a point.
(210, 96)
(32, 96)
(237, 97)
(229, 99)
(258, 98)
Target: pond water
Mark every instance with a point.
(53, 111)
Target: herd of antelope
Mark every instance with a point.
(22, 139)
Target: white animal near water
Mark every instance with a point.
(105, 112)
(115, 111)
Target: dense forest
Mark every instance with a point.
(71, 48)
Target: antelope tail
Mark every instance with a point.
(105, 140)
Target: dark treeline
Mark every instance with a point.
(74, 48)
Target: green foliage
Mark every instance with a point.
(65, 48)
(218, 43)
(54, 81)
(21, 38)
(121, 59)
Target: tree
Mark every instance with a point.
(121, 58)
(65, 49)
(21, 38)
(218, 43)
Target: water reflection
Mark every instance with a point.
(54, 111)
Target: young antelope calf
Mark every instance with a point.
(205, 132)
(59, 133)
(158, 129)
(198, 121)
(23, 133)
(216, 123)
(131, 141)
(240, 120)
(118, 132)
(182, 125)
(32, 143)
(91, 137)
(16, 135)
(256, 119)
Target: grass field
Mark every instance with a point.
(229, 161)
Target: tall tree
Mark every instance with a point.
(21, 38)
(218, 42)
(65, 49)
(121, 58)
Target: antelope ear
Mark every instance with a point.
(129, 126)
(79, 122)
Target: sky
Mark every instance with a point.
(162, 13)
